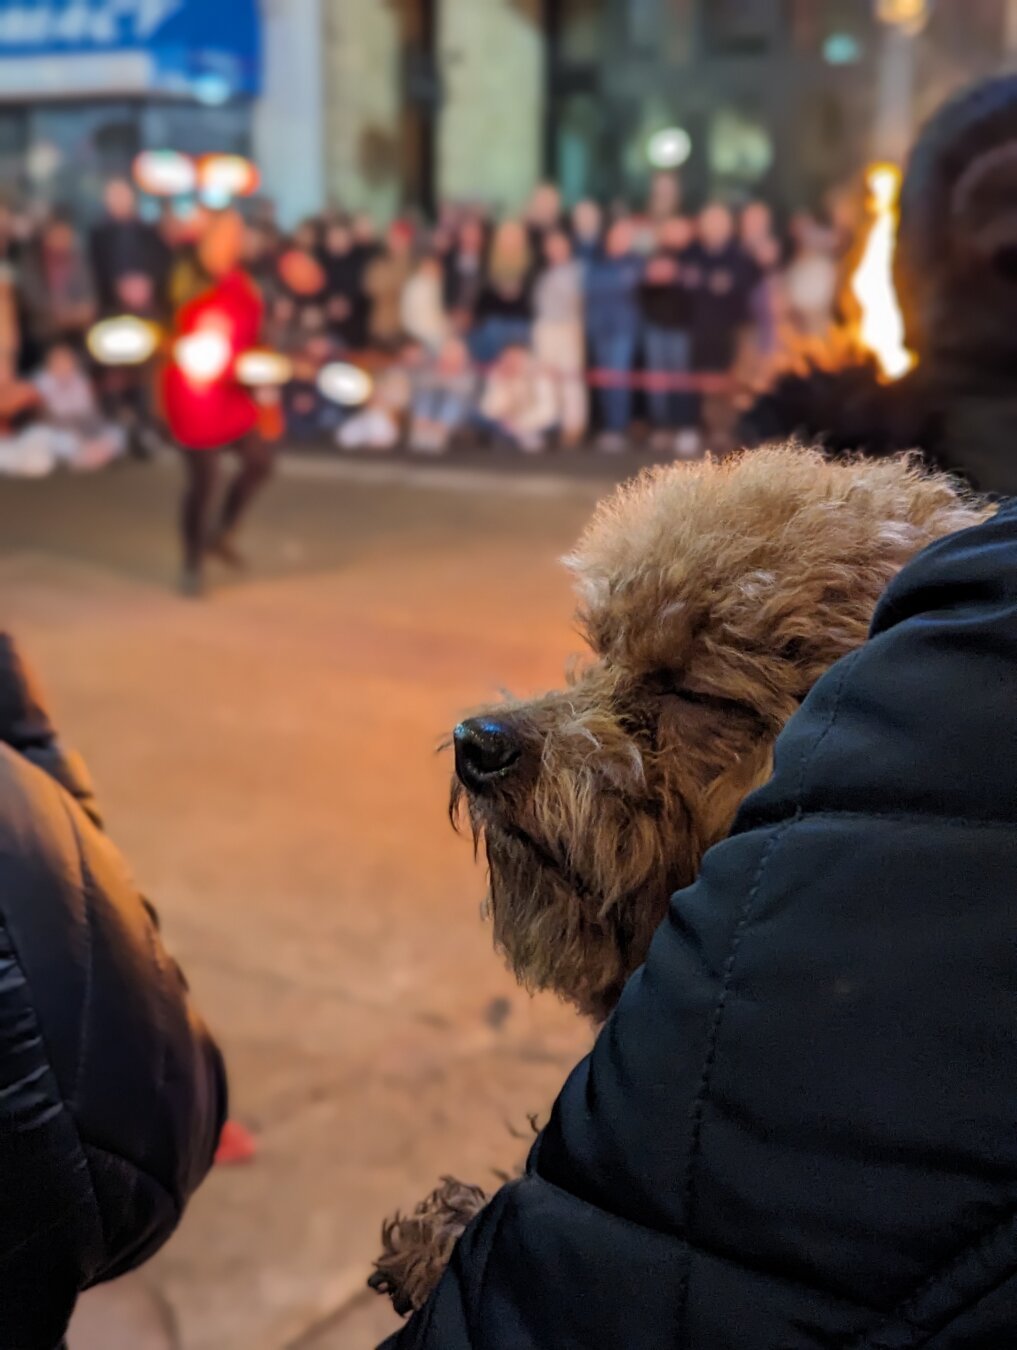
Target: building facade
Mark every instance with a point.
(479, 99)
(86, 84)
(389, 105)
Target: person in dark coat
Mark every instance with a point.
(130, 261)
(112, 1092)
(796, 1132)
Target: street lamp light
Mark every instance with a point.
(909, 15)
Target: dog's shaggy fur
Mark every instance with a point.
(713, 600)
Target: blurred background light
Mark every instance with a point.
(670, 148)
(842, 49)
(212, 90)
(227, 175)
(165, 173)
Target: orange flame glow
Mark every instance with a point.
(881, 330)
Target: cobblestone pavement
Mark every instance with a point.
(267, 761)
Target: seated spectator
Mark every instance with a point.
(57, 294)
(424, 317)
(559, 337)
(666, 337)
(444, 399)
(380, 423)
(304, 409)
(504, 311)
(385, 279)
(26, 447)
(81, 438)
(519, 405)
(613, 324)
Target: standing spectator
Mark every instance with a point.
(365, 238)
(543, 215)
(424, 317)
(761, 245)
(665, 197)
(385, 279)
(307, 237)
(464, 273)
(504, 311)
(130, 267)
(667, 319)
(587, 229)
(559, 339)
(344, 297)
(810, 280)
(130, 261)
(56, 289)
(720, 279)
(612, 324)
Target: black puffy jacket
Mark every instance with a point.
(112, 1094)
(799, 1129)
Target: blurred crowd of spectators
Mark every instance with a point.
(553, 329)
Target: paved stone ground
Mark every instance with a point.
(267, 761)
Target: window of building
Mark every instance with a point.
(578, 27)
(738, 27)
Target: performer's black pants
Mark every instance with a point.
(202, 468)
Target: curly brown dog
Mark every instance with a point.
(713, 600)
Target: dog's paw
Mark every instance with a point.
(417, 1247)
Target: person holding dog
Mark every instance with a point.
(796, 1128)
(112, 1092)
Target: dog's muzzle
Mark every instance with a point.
(487, 750)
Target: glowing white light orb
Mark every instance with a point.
(123, 341)
(345, 384)
(670, 148)
(262, 367)
(203, 356)
(165, 173)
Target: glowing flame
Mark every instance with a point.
(882, 326)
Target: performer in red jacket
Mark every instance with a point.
(207, 408)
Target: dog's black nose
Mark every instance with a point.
(486, 750)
